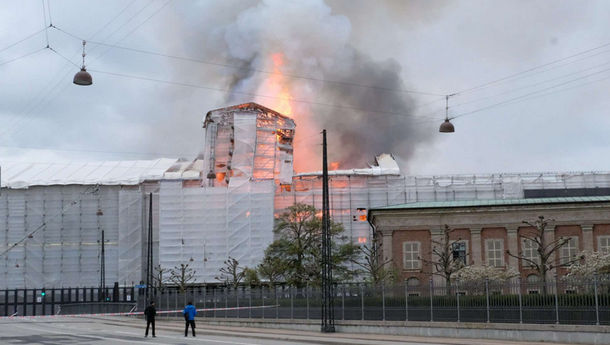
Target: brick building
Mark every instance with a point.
(484, 230)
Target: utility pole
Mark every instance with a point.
(149, 250)
(103, 271)
(328, 312)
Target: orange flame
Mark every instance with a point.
(334, 165)
(277, 87)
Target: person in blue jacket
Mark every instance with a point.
(189, 316)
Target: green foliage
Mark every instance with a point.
(251, 276)
(295, 257)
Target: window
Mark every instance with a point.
(412, 282)
(529, 251)
(459, 249)
(410, 255)
(603, 244)
(569, 251)
(494, 252)
(360, 215)
(532, 284)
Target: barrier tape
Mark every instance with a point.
(15, 316)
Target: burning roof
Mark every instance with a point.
(385, 164)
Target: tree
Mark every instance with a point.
(297, 249)
(373, 266)
(592, 263)
(159, 278)
(181, 276)
(231, 273)
(474, 277)
(251, 276)
(543, 260)
(273, 267)
(443, 257)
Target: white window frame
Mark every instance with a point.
(496, 260)
(603, 248)
(529, 252)
(465, 245)
(411, 256)
(569, 251)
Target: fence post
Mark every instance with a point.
(596, 299)
(263, 301)
(362, 301)
(406, 301)
(431, 306)
(520, 300)
(383, 301)
(487, 297)
(6, 302)
(250, 302)
(291, 302)
(457, 297)
(277, 304)
(556, 300)
(307, 299)
(343, 302)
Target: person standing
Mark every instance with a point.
(189, 317)
(150, 312)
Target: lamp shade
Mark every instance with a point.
(446, 127)
(83, 77)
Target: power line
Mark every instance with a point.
(529, 94)
(23, 39)
(252, 94)
(511, 76)
(250, 69)
(22, 56)
(44, 17)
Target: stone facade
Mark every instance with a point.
(487, 228)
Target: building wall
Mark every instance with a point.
(476, 225)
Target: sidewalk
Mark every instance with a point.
(299, 335)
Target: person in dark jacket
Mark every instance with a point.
(150, 312)
(189, 317)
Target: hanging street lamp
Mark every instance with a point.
(83, 77)
(447, 126)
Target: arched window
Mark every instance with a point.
(533, 286)
(413, 286)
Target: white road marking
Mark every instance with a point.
(199, 338)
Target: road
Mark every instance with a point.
(104, 331)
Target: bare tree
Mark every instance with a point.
(231, 273)
(160, 277)
(181, 276)
(373, 265)
(443, 257)
(543, 260)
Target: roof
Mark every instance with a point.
(494, 202)
(26, 174)
(247, 106)
(386, 165)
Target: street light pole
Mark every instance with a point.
(328, 314)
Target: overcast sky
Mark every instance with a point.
(531, 79)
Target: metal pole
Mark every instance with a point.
(520, 301)
(277, 305)
(102, 268)
(457, 298)
(362, 300)
(263, 299)
(556, 301)
(383, 302)
(291, 302)
(307, 299)
(431, 306)
(406, 301)
(149, 255)
(596, 299)
(328, 317)
(343, 302)
(487, 297)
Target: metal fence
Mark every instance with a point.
(33, 302)
(555, 301)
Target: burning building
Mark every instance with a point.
(221, 204)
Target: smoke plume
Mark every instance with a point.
(307, 39)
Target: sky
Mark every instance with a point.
(528, 80)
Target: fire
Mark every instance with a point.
(334, 165)
(277, 87)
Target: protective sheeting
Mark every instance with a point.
(203, 227)
(385, 165)
(25, 174)
(65, 223)
(130, 235)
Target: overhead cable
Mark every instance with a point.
(21, 40)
